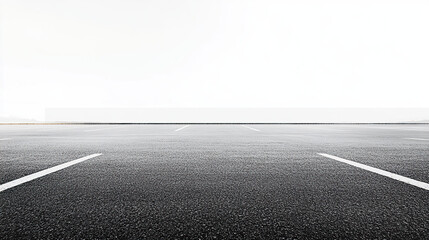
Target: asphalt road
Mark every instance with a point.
(214, 182)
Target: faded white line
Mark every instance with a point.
(400, 128)
(254, 129)
(379, 171)
(4, 139)
(100, 129)
(418, 139)
(181, 128)
(42, 173)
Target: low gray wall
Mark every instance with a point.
(237, 115)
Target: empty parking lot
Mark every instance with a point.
(212, 181)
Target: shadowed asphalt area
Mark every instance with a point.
(214, 182)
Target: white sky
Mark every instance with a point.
(200, 53)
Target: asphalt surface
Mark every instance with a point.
(214, 182)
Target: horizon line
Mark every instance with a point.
(211, 123)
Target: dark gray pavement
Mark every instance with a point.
(214, 182)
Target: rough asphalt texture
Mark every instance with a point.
(214, 182)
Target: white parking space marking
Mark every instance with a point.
(418, 139)
(181, 128)
(379, 171)
(254, 129)
(4, 139)
(100, 129)
(42, 173)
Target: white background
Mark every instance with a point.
(203, 54)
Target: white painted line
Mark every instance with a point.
(254, 129)
(181, 128)
(4, 139)
(380, 172)
(100, 129)
(42, 173)
(418, 139)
